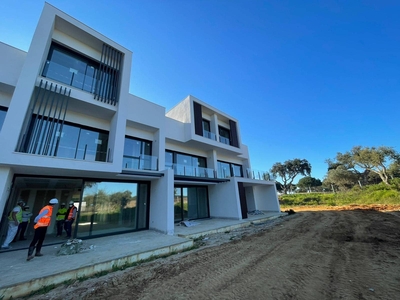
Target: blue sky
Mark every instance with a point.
(305, 79)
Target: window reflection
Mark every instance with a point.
(226, 170)
(112, 207)
(137, 155)
(69, 141)
(71, 68)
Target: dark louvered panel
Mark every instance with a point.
(234, 135)
(108, 77)
(46, 119)
(198, 119)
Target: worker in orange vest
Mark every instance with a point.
(42, 221)
(70, 218)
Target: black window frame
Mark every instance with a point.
(231, 168)
(90, 63)
(81, 127)
(5, 109)
(175, 153)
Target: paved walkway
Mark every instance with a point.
(20, 277)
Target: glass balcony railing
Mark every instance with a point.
(209, 135)
(192, 171)
(259, 175)
(84, 78)
(224, 140)
(143, 162)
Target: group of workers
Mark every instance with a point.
(19, 218)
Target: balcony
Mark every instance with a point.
(259, 175)
(143, 162)
(81, 79)
(224, 140)
(209, 135)
(184, 170)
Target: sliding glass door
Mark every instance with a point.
(190, 203)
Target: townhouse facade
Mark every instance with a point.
(70, 129)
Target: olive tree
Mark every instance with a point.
(368, 159)
(289, 170)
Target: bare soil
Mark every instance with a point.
(316, 253)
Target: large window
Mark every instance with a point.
(224, 135)
(185, 164)
(207, 130)
(111, 207)
(190, 203)
(206, 125)
(69, 141)
(71, 68)
(137, 155)
(3, 113)
(226, 170)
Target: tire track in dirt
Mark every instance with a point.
(310, 255)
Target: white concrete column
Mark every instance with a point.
(162, 203)
(6, 176)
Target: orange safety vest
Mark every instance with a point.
(45, 220)
(71, 212)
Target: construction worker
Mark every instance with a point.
(14, 218)
(26, 218)
(42, 221)
(61, 213)
(70, 218)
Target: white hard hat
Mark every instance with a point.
(53, 201)
(71, 202)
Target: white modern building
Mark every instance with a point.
(69, 128)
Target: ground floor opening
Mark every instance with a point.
(190, 203)
(103, 207)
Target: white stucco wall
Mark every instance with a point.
(266, 198)
(224, 201)
(181, 112)
(11, 62)
(162, 203)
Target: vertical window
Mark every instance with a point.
(3, 113)
(226, 170)
(137, 155)
(169, 160)
(224, 135)
(206, 125)
(207, 130)
(92, 145)
(190, 203)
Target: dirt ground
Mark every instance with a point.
(322, 253)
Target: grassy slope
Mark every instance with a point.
(376, 194)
